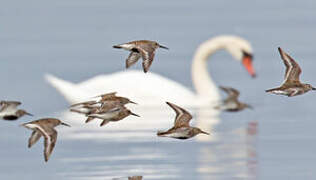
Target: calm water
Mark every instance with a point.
(72, 39)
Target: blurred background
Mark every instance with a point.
(73, 40)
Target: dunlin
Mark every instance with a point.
(44, 127)
(112, 97)
(10, 112)
(85, 107)
(109, 107)
(291, 85)
(86, 104)
(95, 103)
(115, 114)
(181, 128)
(135, 177)
(231, 103)
(142, 48)
(130, 178)
(104, 103)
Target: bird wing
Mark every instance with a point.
(84, 103)
(132, 59)
(36, 135)
(183, 117)
(231, 92)
(293, 70)
(111, 94)
(9, 105)
(148, 54)
(50, 136)
(107, 105)
(111, 110)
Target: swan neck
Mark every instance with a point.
(202, 81)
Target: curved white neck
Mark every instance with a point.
(204, 85)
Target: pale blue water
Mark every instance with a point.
(73, 39)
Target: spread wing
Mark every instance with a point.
(148, 54)
(231, 92)
(107, 95)
(87, 103)
(111, 109)
(132, 59)
(293, 70)
(110, 105)
(183, 117)
(36, 135)
(9, 105)
(50, 136)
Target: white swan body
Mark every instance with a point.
(152, 89)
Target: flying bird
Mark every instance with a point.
(9, 111)
(44, 127)
(144, 49)
(291, 85)
(231, 103)
(111, 113)
(181, 128)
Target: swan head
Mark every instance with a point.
(241, 50)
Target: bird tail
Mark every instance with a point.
(70, 91)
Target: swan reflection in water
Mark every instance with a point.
(234, 157)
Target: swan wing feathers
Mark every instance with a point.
(69, 90)
(149, 91)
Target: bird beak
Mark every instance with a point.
(247, 62)
(117, 46)
(135, 114)
(28, 114)
(132, 102)
(163, 47)
(203, 132)
(65, 124)
(313, 88)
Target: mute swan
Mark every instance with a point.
(152, 89)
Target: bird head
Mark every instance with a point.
(197, 131)
(22, 112)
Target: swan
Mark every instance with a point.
(152, 89)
